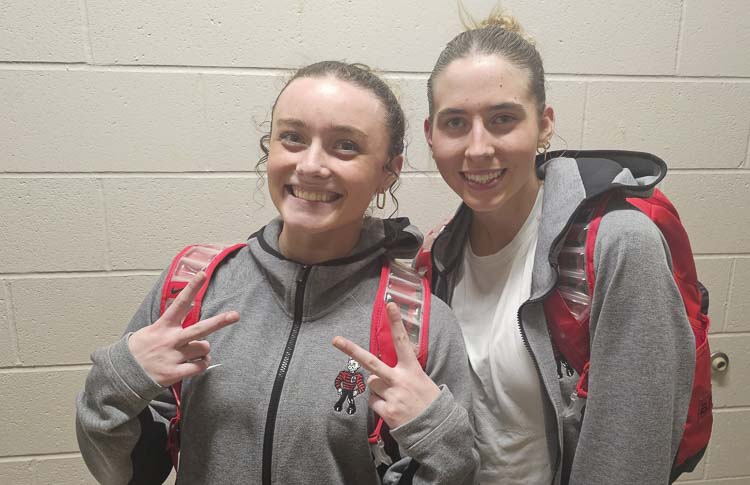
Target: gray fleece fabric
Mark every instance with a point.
(642, 346)
(228, 433)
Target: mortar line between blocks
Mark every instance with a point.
(88, 47)
(732, 272)
(105, 216)
(45, 368)
(40, 457)
(583, 116)
(746, 162)
(680, 34)
(79, 274)
(12, 327)
(280, 71)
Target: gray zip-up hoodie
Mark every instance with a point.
(642, 347)
(266, 415)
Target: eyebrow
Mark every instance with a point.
(343, 129)
(496, 107)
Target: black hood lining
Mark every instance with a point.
(394, 236)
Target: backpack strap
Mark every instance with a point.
(423, 260)
(411, 292)
(187, 263)
(567, 307)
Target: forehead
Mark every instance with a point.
(326, 101)
(481, 80)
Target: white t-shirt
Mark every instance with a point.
(510, 432)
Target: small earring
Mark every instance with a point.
(380, 202)
(542, 149)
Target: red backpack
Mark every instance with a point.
(567, 309)
(398, 283)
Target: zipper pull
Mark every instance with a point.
(302, 273)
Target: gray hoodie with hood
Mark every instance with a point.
(266, 415)
(642, 346)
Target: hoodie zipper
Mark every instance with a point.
(524, 338)
(278, 384)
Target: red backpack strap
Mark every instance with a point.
(411, 291)
(187, 263)
(567, 307)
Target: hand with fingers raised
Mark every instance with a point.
(169, 353)
(397, 394)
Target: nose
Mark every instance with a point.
(480, 145)
(313, 162)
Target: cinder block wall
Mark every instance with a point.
(129, 129)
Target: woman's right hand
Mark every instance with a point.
(169, 353)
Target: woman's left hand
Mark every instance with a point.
(397, 394)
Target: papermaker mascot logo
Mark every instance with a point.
(349, 383)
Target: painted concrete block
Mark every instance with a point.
(40, 412)
(731, 388)
(425, 199)
(688, 124)
(42, 31)
(727, 453)
(567, 99)
(44, 470)
(151, 219)
(715, 38)
(715, 209)
(601, 37)
(738, 315)
(63, 320)
(132, 121)
(412, 94)
(286, 33)
(715, 273)
(51, 224)
(292, 33)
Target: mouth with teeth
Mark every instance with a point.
(485, 177)
(324, 196)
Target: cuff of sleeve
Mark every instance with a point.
(442, 418)
(128, 374)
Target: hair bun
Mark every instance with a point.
(498, 18)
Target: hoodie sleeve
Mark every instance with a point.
(642, 358)
(441, 439)
(122, 415)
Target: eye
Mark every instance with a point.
(291, 138)
(455, 123)
(504, 118)
(346, 146)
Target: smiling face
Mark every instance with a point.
(327, 157)
(485, 133)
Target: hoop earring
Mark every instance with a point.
(380, 202)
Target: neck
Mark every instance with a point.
(492, 231)
(314, 248)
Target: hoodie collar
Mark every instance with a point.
(330, 281)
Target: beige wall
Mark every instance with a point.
(129, 128)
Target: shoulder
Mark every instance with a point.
(626, 230)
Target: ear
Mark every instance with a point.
(428, 132)
(392, 171)
(546, 125)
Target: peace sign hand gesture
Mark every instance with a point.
(169, 353)
(397, 394)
